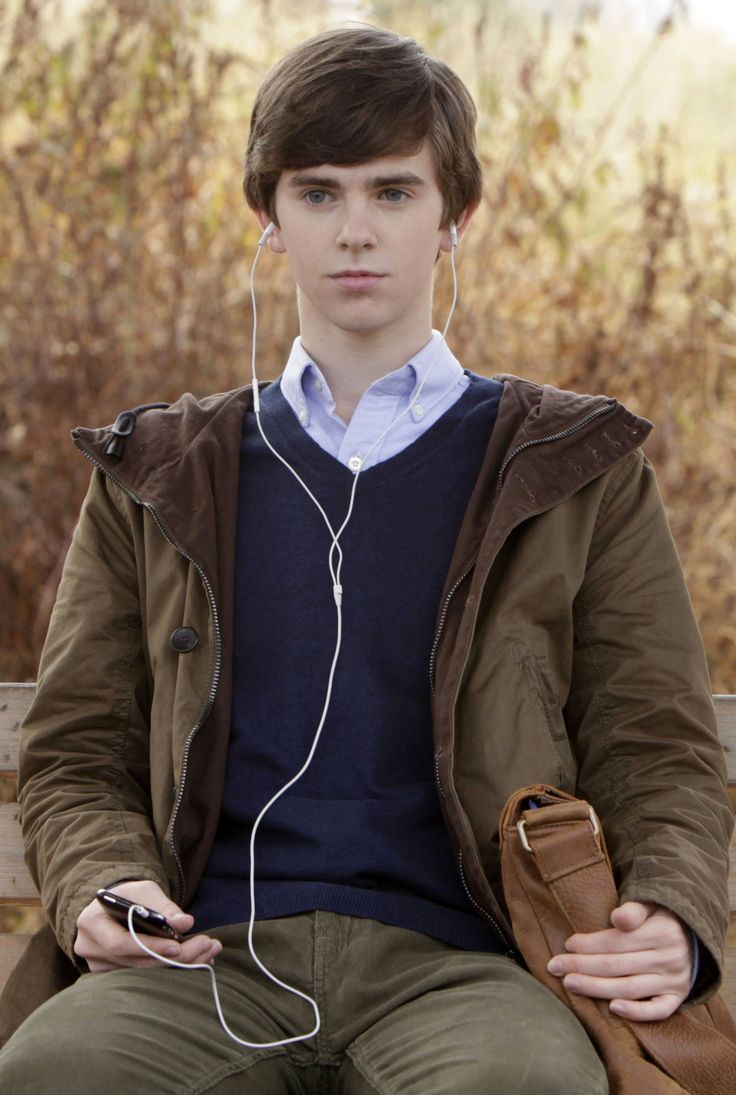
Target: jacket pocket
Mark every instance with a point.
(538, 679)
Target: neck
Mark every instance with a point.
(351, 361)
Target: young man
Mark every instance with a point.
(507, 609)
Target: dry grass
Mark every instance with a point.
(126, 243)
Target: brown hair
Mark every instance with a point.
(348, 96)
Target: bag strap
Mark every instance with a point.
(569, 852)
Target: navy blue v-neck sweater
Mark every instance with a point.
(361, 832)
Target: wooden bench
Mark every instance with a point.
(18, 892)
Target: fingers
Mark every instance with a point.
(640, 987)
(603, 979)
(632, 914)
(631, 982)
(613, 965)
(150, 894)
(647, 1011)
(612, 941)
(113, 947)
(659, 930)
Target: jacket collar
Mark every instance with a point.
(546, 444)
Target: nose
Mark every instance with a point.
(357, 230)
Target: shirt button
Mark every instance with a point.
(355, 463)
(302, 415)
(318, 384)
(419, 410)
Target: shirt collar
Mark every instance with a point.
(302, 379)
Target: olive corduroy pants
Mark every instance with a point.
(401, 1014)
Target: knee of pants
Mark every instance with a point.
(44, 1068)
(478, 1071)
(35, 1062)
(545, 1075)
(556, 1077)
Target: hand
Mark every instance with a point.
(643, 964)
(107, 945)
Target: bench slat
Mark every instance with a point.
(16, 884)
(726, 715)
(729, 966)
(729, 980)
(11, 948)
(15, 699)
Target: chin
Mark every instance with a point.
(363, 320)
(366, 328)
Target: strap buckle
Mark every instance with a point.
(521, 827)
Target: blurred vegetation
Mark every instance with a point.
(125, 245)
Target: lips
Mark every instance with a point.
(357, 279)
(357, 274)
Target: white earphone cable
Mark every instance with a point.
(335, 574)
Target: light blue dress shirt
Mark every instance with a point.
(305, 389)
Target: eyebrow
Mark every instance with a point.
(407, 178)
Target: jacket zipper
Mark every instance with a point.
(443, 617)
(605, 408)
(218, 650)
(511, 953)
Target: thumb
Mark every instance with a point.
(176, 916)
(149, 893)
(631, 915)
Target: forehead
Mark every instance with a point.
(415, 169)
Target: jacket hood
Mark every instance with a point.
(183, 462)
(172, 458)
(166, 441)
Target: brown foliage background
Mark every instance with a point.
(126, 244)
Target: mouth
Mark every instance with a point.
(357, 279)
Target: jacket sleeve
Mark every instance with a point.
(83, 772)
(641, 717)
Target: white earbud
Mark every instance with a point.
(453, 234)
(269, 232)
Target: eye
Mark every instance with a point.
(394, 196)
(311, 195)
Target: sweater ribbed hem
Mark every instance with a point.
(230, 905)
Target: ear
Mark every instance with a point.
(275, 241)
(462, 223)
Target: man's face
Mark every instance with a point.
(380, 219)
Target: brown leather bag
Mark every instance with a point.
(557, 880)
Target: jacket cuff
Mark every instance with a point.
(696, 961)
(706, 975)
